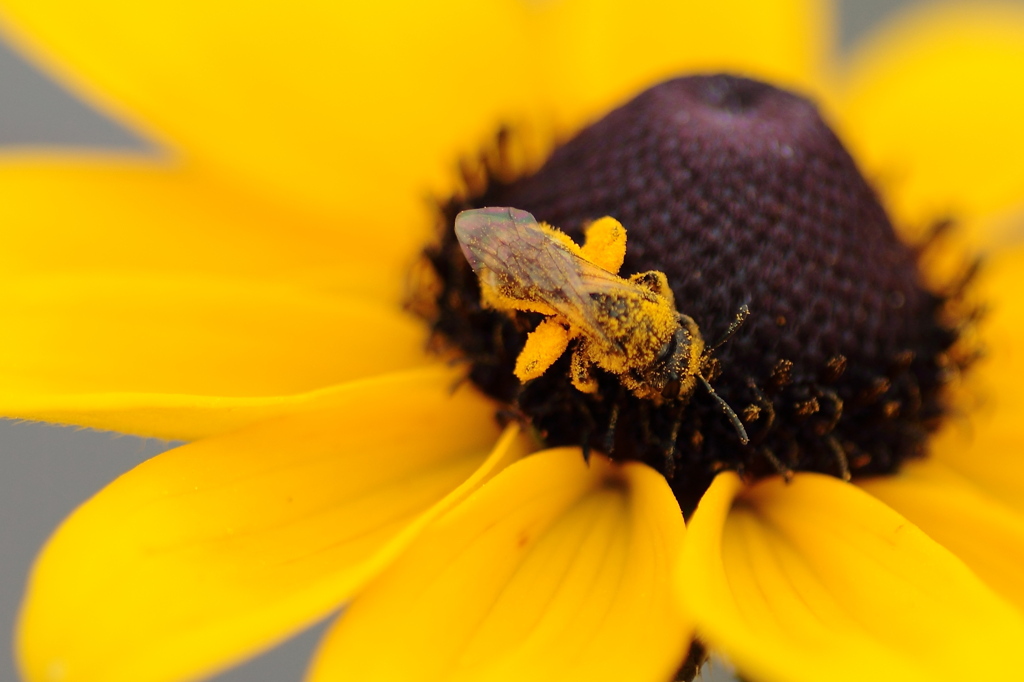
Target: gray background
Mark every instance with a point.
(45, 471)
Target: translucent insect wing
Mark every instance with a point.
(507, 248)
(484, 234)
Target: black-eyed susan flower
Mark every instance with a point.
(247, 291)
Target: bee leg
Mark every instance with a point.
(841, 460)
(669, 461)
(645, 423)
(613, 420)
(780, 468)
(587, 430)
(581, 372)
(673, 439)
(544, 345)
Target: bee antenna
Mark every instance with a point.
(729, 412)
(741, 317)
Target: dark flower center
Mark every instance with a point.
(741, 195)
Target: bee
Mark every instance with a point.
(627, 327)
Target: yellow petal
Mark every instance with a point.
(553, 571)
(982, 439)
(984, 534)
(64, 214)
(353, 109)
(817, 580)
(602, 52)
(208, 553)
(171, 416)
(193, 335)
(933, 109)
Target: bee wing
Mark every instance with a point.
(489, 237)
(510, 252)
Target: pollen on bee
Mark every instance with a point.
(605, 244)
(622, 326)
(544, 345)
